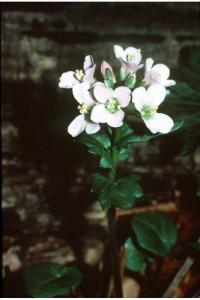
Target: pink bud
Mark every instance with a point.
(105, 66)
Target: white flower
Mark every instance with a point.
(110, 103)
(147, 103)
(70, 78)
(130, 58)
(82, 122)
(157, 74)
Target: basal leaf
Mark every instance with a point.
(135, 260)
(47, 280)
(155, 232)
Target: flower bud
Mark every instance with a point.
(130, 81)
(108, 74)
(122, 74)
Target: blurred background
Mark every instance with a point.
(48, 211)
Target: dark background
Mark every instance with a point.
(48, 211)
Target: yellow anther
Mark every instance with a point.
(83, 108)
(79, 74)
(131, 57)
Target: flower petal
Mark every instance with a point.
(140, 98)
(67, 80)
(159, 123)
(102, 93)
(148, 64)
(119, 52)
(99, 114)
(135, 53)
(161, 71)
(115, 119)
(123, 95)
(92, 128)
(88, 62)
(77, 125)
(156, 94)
(169, 83)
(81, 93)
(89, 75)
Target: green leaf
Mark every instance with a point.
(106, 161)
(155, 232)
(123, 153)
(95, 147)
(103, 138)
(98, 144)
(102, 186)
(47, 280)
(135, 260)
(121, 194)
(126, 191)
(133, 137)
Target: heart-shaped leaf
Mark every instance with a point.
(135, 260)
(155, 232)
(47, 280)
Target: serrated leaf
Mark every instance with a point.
(155, 232)
(47, 280)
(102, 185)
(94, 146)
(126, 191)
(135, 260)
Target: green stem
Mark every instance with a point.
(114, 252)
(112, 225)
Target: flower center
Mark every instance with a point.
(131, 57)
(112, 105)
(84, 108)
(79, 74)
(148, 112)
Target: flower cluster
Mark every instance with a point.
(104, 102)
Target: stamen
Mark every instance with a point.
(131, 57)
(79, 74)
(84, 108)
(148, 112)
(112, 105)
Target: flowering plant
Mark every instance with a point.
(103, 125)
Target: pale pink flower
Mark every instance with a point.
(86, 102)
(159, 73)
(147, 103)
(130, 58)
(70, 78)
(108, 110)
